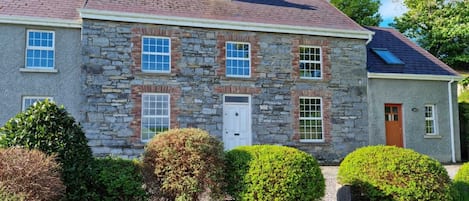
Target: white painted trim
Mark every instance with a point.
(39, 21)
(160, 116)
(39, 70)
(399, 76)
(221, 24)
(248, 104)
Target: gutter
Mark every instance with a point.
(402, 76)
(451, 120)
(40, 21)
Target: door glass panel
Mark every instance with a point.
(394, 109)
(387, 110)
(386, 117)
(236, 99)
(396, 118)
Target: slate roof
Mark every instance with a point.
(57, 9)
(416, 59)
(310, 13)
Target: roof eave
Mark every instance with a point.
(39, 21)
(221, 24)
(402, 76)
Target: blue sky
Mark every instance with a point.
(390, 9)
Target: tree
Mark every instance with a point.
(439, 26)
(364, 12)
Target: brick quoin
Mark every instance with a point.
(326, 112)
(136, 96)
(326, 63)
(138, 32)
(252, 39)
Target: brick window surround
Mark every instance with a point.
(138, 32)
(325, 51)
(137, 90)
(326, 112)
(252, 39)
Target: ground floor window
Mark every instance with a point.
(430, 120)
(28, 101)
(311, 120)
(155, 114)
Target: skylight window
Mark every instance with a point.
(387, 56)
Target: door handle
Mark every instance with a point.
(236, 134)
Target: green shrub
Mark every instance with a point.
(392, 173)
(184, 164)
(118, 179)
(49, 128)
(461, 183)
(29, 175)
(7, 196)
(270, 172)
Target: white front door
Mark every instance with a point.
(236, 121)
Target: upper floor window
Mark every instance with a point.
(155, 114)
(310, 62)
(430, 120)
(311, 120)
(40, 49)
(156, 54)
(238, 59)
(28, 101)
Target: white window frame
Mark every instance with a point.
(156, 54)
(38, 98)
(168, 96)
(432, 118)
(312, 62)
(238, 58)
(311, 118)
(30, 47)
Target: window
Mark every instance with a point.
(28, 101)
(430, 120)
(156, 54)
(311, 127)
(387, 56)
(40, 49)
(238, 59)
(310, 62)
(155, 115)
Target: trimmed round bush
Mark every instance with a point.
(461, 183)
(271, 172)
(29, 175)
(51, 129)
(392, 173)
(184, 164)
(118, 179)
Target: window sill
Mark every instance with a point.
(313, 141)
(432, 137)
(38, 70)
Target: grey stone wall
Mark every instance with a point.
(109, 77)
(64, 86)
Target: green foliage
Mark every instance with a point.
(364, 12)
(29, 174)
(118, 179)
(392, 173)
(269, 172)
(439, 26)
(183, 164)
(7, 196)
(49, 128)
(461, 183)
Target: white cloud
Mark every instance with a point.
(392, 8)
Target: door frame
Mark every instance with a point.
(248, 104)
(402, 117)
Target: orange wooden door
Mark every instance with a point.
(393, 122)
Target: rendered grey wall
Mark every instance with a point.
(415, 94)
(64, 86)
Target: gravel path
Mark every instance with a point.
(330, 174)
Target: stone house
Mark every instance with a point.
(247, 71)
(412, 97)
